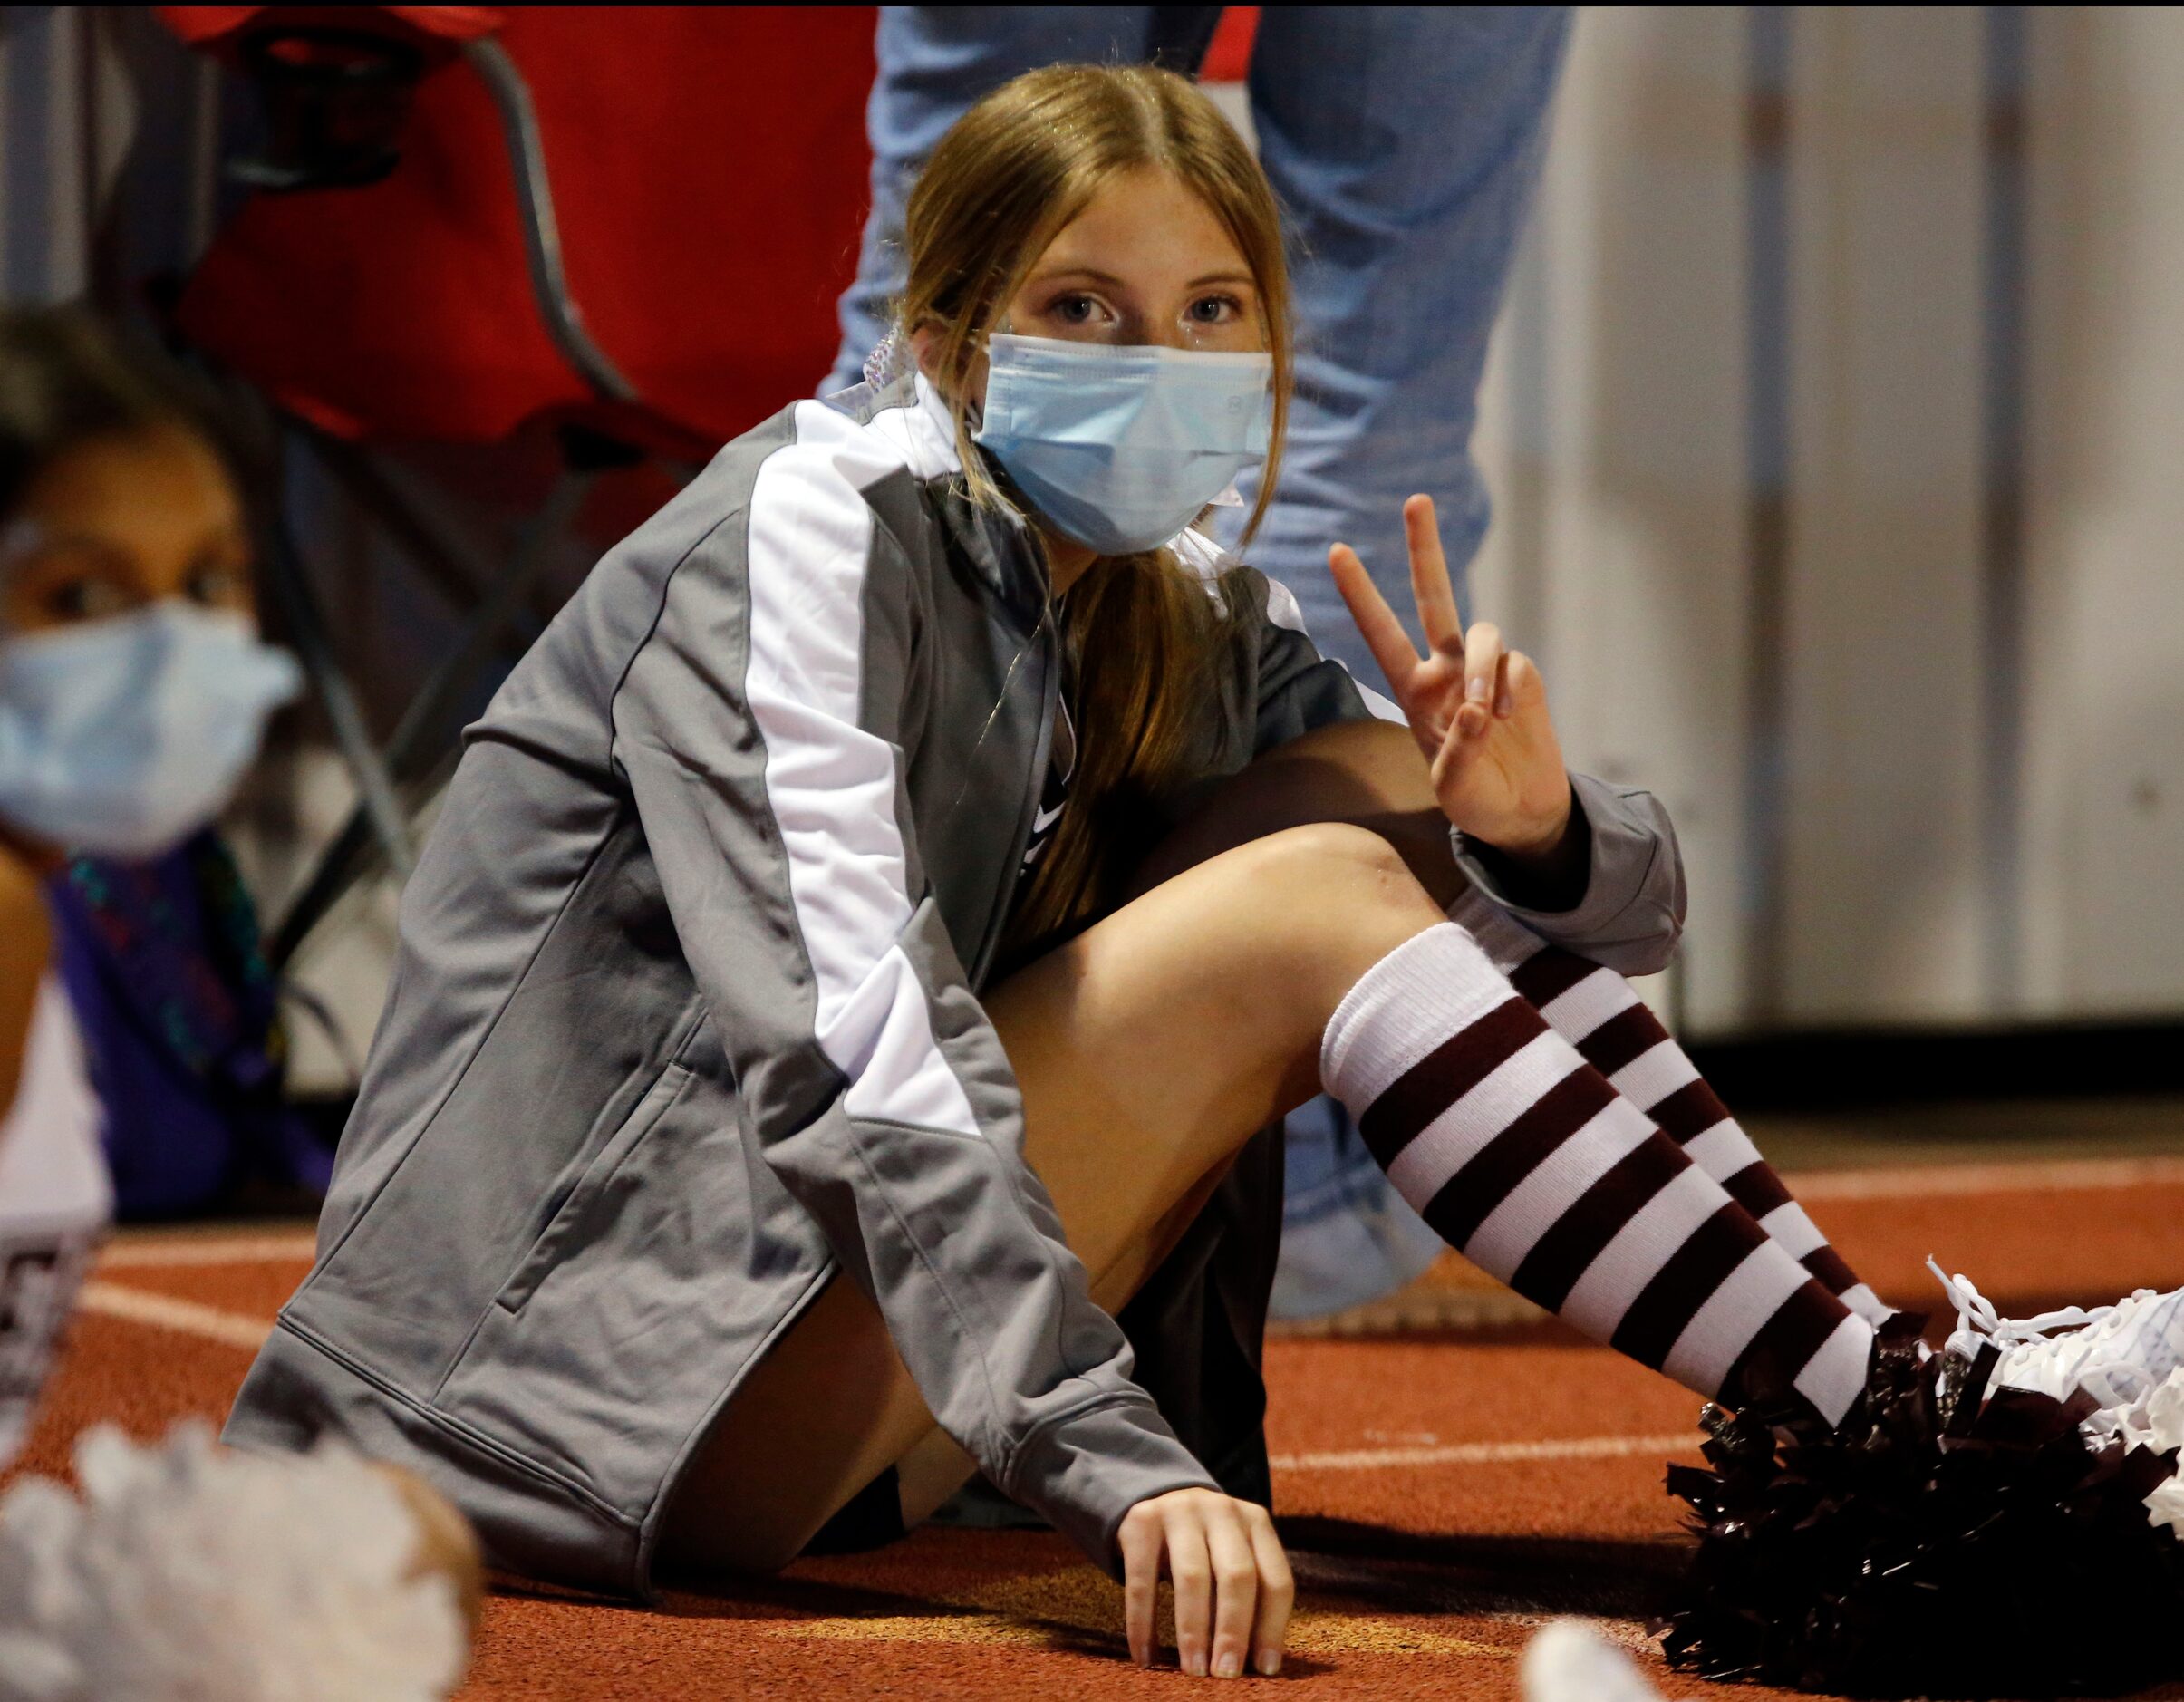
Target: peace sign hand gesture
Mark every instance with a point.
(1478, 709)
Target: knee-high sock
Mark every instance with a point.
(1601, 1014)
(1528, 1161)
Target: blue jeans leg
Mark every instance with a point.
(1346, 1235)
(1404, 143)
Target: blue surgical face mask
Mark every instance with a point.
(1121, 447)
(122, 736)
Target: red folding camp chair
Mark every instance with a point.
(627, 224)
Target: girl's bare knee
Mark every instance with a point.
(1330, 865)
(1321, 902)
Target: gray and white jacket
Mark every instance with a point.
(685, 1014)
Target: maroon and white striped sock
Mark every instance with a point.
(1601, 1014)
(1528, 1161)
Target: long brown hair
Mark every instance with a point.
(66, 378)
(1144, 636)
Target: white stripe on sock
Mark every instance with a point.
(1798, 1234)
(1599, 1298)
(1556, 1182)
(1656, 1073)
(1867, 1304)
(1581, 1009)
(1722, 1151)
(1834, 1376)
(1511, 1089)
(1430, 986)
(1732, 1315)
(1499, 934)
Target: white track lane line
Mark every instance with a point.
(2072, 1175)
(234, 1329)
(1918, 1181)
(163, 1311)
(1487, 1453)
(174, 1252)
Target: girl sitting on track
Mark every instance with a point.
(868, 929)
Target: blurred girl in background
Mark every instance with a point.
(137, 1033)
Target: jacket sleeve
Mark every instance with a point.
(875, 1088)
(1631, 913)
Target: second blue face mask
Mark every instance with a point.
(122, 736)
(1121, 447)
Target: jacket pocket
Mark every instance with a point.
(566, 1229)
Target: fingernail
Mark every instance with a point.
(1269, 1662)
(1230, 1666)
(1505, 706)
(1476, 691)
(1194, 1663)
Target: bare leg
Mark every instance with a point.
(1148, 1051)
(1368, 773)
(936, 1467)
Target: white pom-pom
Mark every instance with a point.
(2157, 1423)
(1570, 1662)
(190, 1573)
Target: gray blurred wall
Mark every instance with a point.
(1834, 424)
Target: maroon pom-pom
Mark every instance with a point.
(1936, 1543)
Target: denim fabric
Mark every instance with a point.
(1346, 1235)
(1404, 143)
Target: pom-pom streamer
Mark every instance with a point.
(1944, 1542)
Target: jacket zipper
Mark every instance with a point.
(1042, 752)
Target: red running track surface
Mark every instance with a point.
(1442, 1490)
